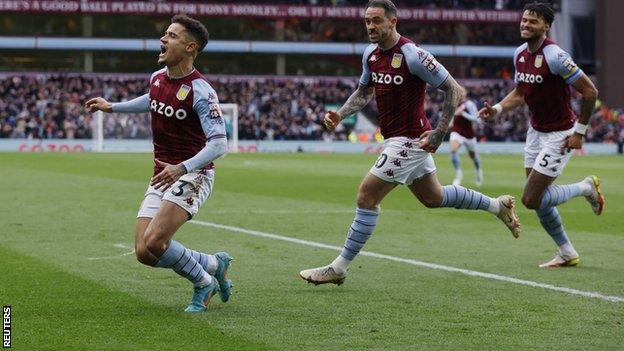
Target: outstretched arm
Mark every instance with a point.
(471, 112)
(360, 98)
(510, 102)
(139, 104)
(455, 94)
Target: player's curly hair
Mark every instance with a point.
(541, 9)
(388, 6)
(195, 28)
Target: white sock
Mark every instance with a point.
(212, 264)
(586, 187)
(340, 264)
(494, 207)
(568, 250)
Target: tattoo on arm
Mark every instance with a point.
(360, 98)
(586, 87)
(455, 94)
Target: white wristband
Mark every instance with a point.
(498, 108)
(580, 128)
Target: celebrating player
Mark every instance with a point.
(189, 134)
(462, 133)
(396, 72)
(543, 73)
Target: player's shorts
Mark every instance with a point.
(543, 153)
(189, 192)
(402, 161)
(471, 144)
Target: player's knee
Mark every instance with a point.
(143, 256)
(154, 244)
(431, 202)
(366, 202)
(530, 201)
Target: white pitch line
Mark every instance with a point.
(418, 263)
(120, 246)
(280, 211)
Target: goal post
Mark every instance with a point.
(230, 115)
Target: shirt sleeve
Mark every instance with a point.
(561, 63)
(365, 78)
(515, 58)
(471, 112)
(206, 105)
(422, 64)
(140, 104)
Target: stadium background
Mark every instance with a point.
(434, 279)
(282, 70)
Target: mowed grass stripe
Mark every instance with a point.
(436, 266)
(55, 310)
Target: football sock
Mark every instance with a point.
(179, 258)
(455, 160)
(208, 262)
(558, 194)
(551, 221)
(463, 198)
(477, 162)
(361, 229)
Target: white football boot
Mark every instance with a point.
(322, 275)
(596, 199)
(507, 214)
(561, 260)
(479, 179)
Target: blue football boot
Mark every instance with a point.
(202, 296)
(224, 261)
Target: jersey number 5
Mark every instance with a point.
(544, 162)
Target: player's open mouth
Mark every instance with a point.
(163, 49)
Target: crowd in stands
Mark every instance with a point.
(460, 4)
(297, 29)
(42, 106)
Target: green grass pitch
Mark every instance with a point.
(67, 223)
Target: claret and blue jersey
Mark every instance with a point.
(543, 77)
(399, 76)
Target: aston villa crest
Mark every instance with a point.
(538, 61)
(373, 58)
(397, 59)
(183, 92)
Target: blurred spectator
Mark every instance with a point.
(270, 108)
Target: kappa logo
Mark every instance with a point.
(521, 60)
(167, 110)
(157, 83)
(384, 78)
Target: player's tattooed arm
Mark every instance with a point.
(360, 98)
(589, 95)
(455, 94)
